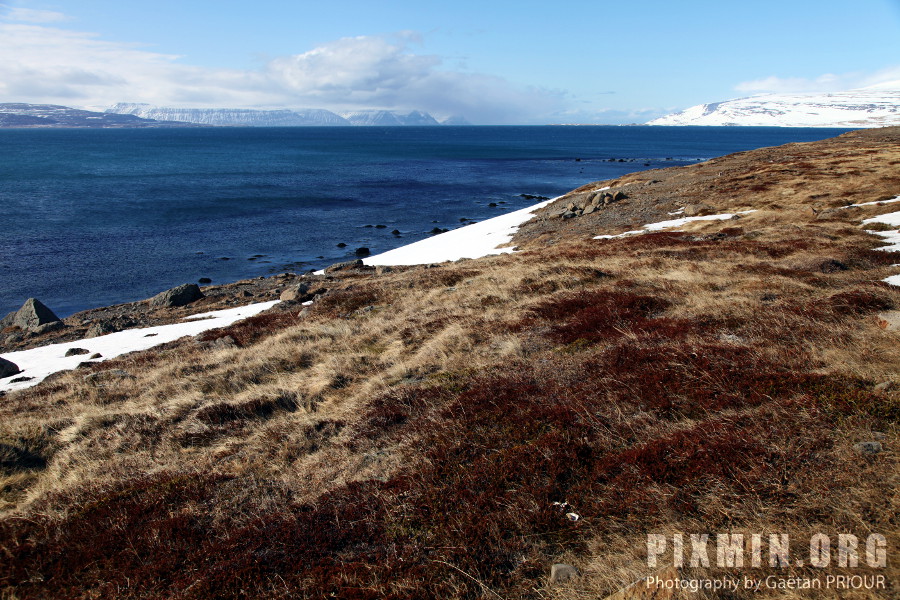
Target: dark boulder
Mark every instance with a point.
(8, 368)
(178, 296)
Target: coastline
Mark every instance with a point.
(558, 404)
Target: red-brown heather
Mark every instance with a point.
(428, 432)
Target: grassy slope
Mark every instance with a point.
(408, 437)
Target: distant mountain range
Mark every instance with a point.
(868, 107)
(279, 118)
(144, 115)
(52, 115)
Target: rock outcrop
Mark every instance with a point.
(177, 296)
(31, 316)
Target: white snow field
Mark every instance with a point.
(868, 107)
(38, 363)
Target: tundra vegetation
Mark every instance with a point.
(428, 432)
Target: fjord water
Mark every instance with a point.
(99, 217)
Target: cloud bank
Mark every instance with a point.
(46, 64)
(829, 82)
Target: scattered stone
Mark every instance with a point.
(345, 266)
(77, 351)
(100, 328)
(381, 227)
(396, 232)
(8, 368)
(204, 280)
(569, 214)
(382, 269)
(362, 251)
(438, 230)
(696, 210)
(48, 327)
(181, 295)
(868, 448)
(342, 245)
(296, 293)
(95, 356)
(618, 195)
(562, 573)
(589, 210)
(493, 204)
(20, 379)
(32, 315)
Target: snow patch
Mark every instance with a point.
(891, 238)
(673, 223)
(876, 203)
(38, 363)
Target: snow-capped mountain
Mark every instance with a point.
(273, 118)
(232, 116)
(876, 106)
(389, 118)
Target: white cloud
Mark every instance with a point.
(829, 82)
(41, 63)
(29, 15)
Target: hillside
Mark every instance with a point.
(868, 107)
(52, 115)
(453, 430)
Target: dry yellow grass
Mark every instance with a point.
(287, 420)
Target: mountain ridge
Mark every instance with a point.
(875, 106)
(305, 117)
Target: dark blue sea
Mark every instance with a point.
(99, 217)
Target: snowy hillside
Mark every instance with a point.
(869, 107)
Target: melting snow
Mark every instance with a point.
(891, 238)
(38, 363)
(672, 223)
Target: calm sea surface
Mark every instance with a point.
(92, 218)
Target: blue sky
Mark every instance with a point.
(489, 61)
